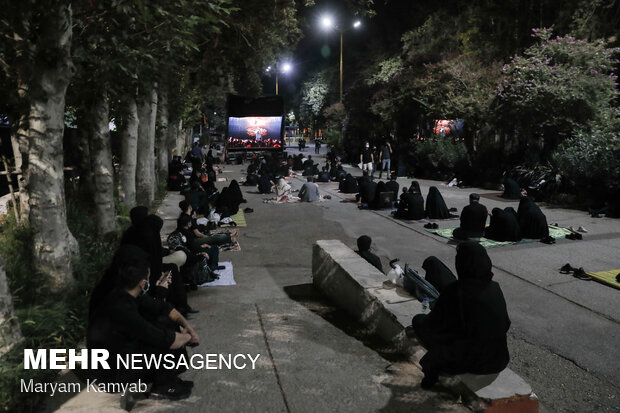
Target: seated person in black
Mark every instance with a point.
(504, 226)
(368, 189)
(308, 162)
(183, 239)
(473, 220)
(511, 189)
(298, 163)
(437, 273)
(393, 186)
(124, 324)
(349, 185)
(532, 221)
(466, 330)
(377, 200)
(202, 234)
(264, 184)
(410, 206)
(435, 205)
(363, 250)
(227, 203)
(323, 176)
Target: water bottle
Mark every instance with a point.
(425, 306)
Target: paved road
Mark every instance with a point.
(313, 358)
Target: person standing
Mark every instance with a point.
(384, 159)
(317, 146)
(366, 158)
(375, 160)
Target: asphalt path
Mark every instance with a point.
(565, 331)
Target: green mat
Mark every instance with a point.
(606, 277)
(555, 232)
(239, 219)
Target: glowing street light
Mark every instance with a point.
(328, 23)
(285, 68)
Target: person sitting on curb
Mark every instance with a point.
(363, 250)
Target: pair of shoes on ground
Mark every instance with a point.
(431, 225)
(548, 240)
(576, 272)
(574, 236)
(580, 229)
(175, 390)
(248, 210)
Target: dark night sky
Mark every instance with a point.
(319, 49)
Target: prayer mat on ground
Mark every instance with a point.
(226, 276)
(555, 232)
(222, 179)
(495, 196)
(239, 219)
(606, 277)
(353, 200)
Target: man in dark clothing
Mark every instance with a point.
(124, 324)
(196, 247)
(368, 189)
(392, 185)
(363, 250)
(473, 220)
(366, 158)
(384, 159)
(323, 176)
(466, 329)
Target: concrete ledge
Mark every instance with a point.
(360, 289)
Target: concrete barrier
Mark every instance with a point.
(365, 293)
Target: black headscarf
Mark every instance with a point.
(415, 187)
(473, 262)
(138, 214)
(503, 226)
(437, 273)
(435, 205)
(532, 221)
(511, 189)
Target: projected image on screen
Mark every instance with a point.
(255, 130)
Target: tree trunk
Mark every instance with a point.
(85, 166)
(10, 332)
(19, 141)
(162, 139)
(152, 133)
(129, 154)
(145, 165)
(52, 242)
(101, 157)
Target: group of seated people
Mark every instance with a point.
(411, 204)
(506, 224)
(465, 331)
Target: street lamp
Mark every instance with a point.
(328, 23)
(285, 68)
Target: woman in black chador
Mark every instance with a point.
(511, 189)
(504, 225)
(466, 330)
(532, 221)
(435, 205)
(437, 273)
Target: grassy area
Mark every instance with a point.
(47, 320)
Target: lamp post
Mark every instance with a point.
(286, 68)
(328, 23)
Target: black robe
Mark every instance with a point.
(473, 220)
(298, 164)
(264, 184)
(532, 221)
(466, 330)
(227, 204)
(376, 202)
(371, 258)
(349, 185)
(411, 206)
(323, 177)
(235, 191)
(394, 187)
(511, 189)
(437, 273)
(503, 226)
(368, 189)
(435, 205)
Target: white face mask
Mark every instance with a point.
(367, 146)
